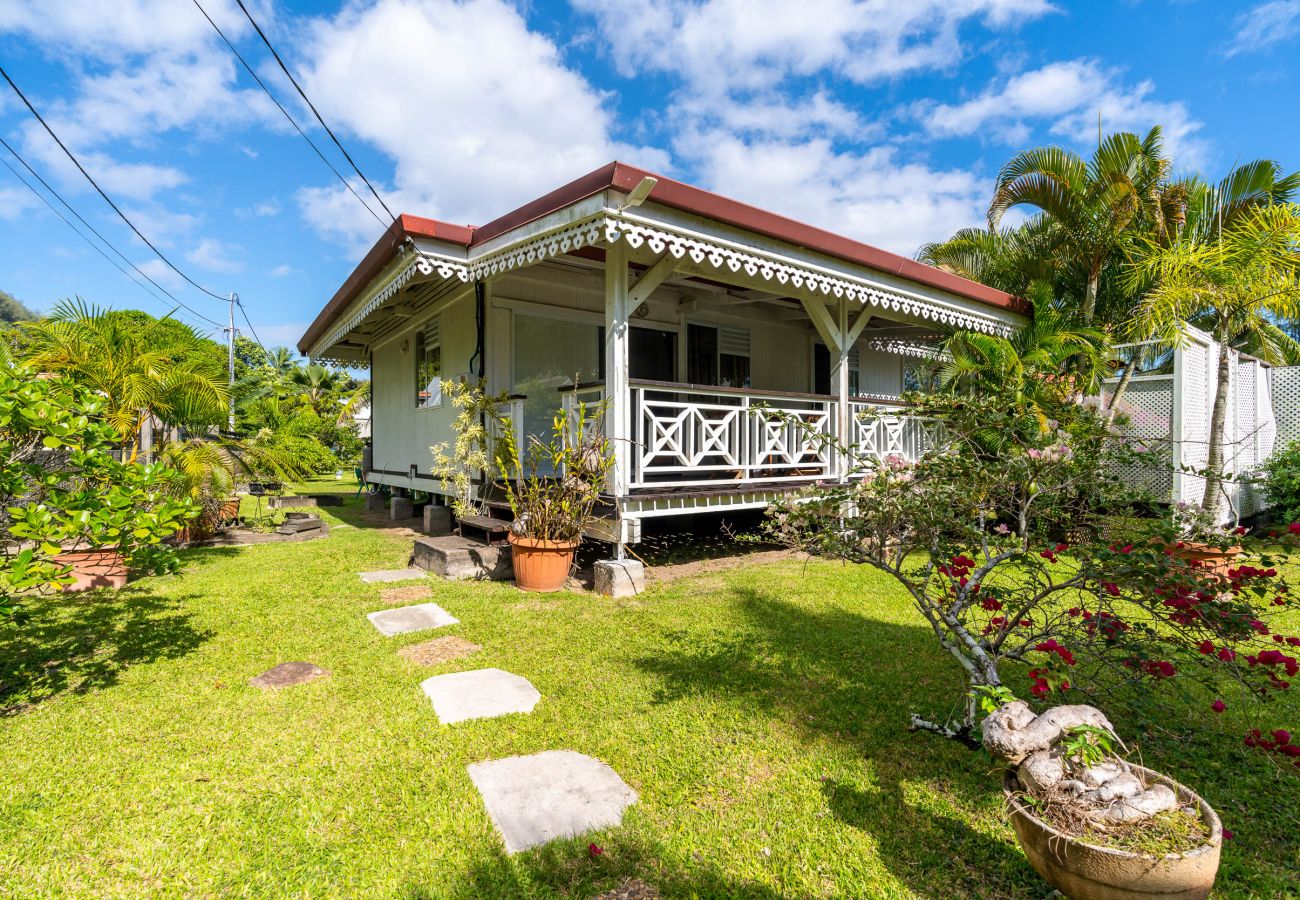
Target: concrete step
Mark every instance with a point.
(453, 556)
(494, 531)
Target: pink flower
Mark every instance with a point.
(1111, 588)
(594, 850)
(1227, 835)
(1282, 736)
(1002, 528)
(1206, 648)
(1227, 655)
(1218, 706)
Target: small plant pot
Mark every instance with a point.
(1082, 870)
(91, 569)
(1212, 559)
(540, 565)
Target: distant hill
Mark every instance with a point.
(12, 310)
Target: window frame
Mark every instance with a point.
(421, 346)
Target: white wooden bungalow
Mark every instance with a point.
(690, 313)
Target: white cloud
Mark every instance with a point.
(1264, 25)
(1066, 97)
(478, 113)
(261, 209)
(16, 202)
(282, 271)
(216, 256)
(722, 46)
(161, 273)
(870, 195)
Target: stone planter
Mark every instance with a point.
(1087, 872)
(91, 569)
(541, 565)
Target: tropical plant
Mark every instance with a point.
(1009, 259)
(1048, 360)
(141, 366)
(318, 385)
(470, 459)
(62, 488)
(1093, 205)
(1237, 282)
(1002, 547)
(554, 484)
(1282, 483)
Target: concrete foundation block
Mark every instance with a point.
(437, 520)
(401, 508)
(453, 556)
(375, 502)
(619, 577)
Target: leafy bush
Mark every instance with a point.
(1282, 483)
(63, 488)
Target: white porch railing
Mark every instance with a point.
(696, 436)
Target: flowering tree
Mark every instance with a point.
(1003, 538)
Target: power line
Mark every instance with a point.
(243, 312)
(312, 107)
(92, 229)
(96, 186)
(287, 115)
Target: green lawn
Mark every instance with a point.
(759, 712)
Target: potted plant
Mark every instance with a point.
(1091, 823)
(553, 487)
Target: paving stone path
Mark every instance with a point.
(392, 575)
(405, 619)
(480, 694)
(558, 793)
(288, 674)
(531, 800)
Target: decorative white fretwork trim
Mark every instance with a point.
(900, 347)
(610, 228)
(805, 278)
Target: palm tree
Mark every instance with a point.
(1009, 259)
(1045, 362)
(1095, 205)
(141, 366)
(1236, 281)
(319, 384)
(281, 359)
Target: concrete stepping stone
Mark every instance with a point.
(439, 650)
(555, 794)
(288, 674)
(392, 575)
(406, 619)
(480, 694)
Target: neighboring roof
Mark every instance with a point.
(667, 192)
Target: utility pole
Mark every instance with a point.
(230, 344)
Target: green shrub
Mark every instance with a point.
(1282, 483)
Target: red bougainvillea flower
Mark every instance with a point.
(1218, 706)
(1240, 529)
(1294, 528)
(1227, 835)
(1111, 588)
(1206, 648)
(1227, 655)
(594, 850)
(1282, 736)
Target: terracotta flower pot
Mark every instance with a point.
(102, 568)
(1213, 559)
(541, 565)
(1087, 872)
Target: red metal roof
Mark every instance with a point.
(667, 192)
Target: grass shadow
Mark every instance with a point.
(76, 643)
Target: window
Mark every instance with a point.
(717, 356)
(428, 366)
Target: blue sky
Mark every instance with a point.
(882, 120)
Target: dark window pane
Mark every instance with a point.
(733, 370)
(701, 354)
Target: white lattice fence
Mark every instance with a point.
(1285, 382)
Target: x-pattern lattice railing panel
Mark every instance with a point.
(879, 433)
(696, 437)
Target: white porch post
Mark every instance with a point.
(840, 384)
(618, 393)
